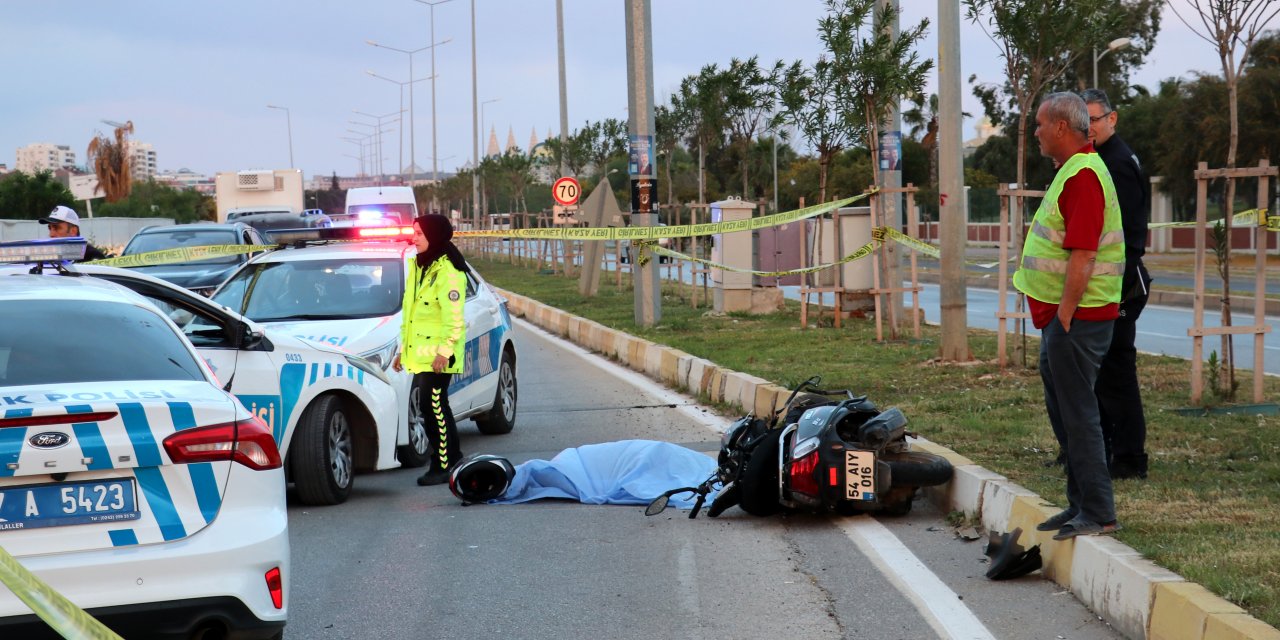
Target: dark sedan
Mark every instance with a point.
(203, 275)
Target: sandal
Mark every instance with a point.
(1073, 529)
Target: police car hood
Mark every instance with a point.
(354, 336)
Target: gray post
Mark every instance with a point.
(955, 339)
(475, 127)
(644, 189)
(564, 101)
(892, 209)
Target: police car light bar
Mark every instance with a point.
(317, 234)
(44, 250)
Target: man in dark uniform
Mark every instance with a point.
(64, 222)
(1124, 425)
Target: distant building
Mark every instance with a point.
(492, 149)
(44, 156)
(985, 130)
(186, 179)
(142, 159)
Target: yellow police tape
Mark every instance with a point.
(59, 613)
(181, 254)
(656, 233)
(1251, 217)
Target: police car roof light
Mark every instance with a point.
(43, 250)
(302, 236)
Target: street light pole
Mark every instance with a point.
(644, 206)
(434, 151)
(288, 120)
(564, 102)
(1114, 45)
(475, 126)
(401, 127)
(413, 159)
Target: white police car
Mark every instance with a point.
(349, 294)
(130, 482)
(331, 413)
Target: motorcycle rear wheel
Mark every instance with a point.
(917, 469)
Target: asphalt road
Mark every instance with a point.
(402, 561)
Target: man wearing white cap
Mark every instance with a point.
(64, 222)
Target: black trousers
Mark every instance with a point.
(437, 416)
(1124, 425)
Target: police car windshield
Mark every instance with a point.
(178, 237)
(54, 342)
(315, 290)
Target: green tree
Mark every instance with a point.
(1038, 41)
(1137, 20)
(27, 197)
(812, 99)
(151, 199)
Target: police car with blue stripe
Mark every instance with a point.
(331, 413)
(344, 286)
(130, 481)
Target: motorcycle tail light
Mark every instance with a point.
(802, 476)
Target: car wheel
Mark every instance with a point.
(502, 417)
(418, 452)
(322, 454)
(917, 469)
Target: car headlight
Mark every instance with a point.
(383, 356)
(369, 368)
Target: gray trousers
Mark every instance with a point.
(1069, 365)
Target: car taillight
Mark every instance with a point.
(248, 442)
(803, 479)
(275, 585)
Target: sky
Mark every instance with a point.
(196, 78)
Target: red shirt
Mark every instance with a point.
(1082, 205)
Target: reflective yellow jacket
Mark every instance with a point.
(432, 322)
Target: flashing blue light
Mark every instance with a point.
(43, 250)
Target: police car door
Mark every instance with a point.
(477, 385)
(243, 361)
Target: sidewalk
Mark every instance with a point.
(1133, 594)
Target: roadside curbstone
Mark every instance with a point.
(1181, 611)
(1117, 582)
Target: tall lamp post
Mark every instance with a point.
(482, 104)
(434, 151)
(288, 121)
(402, 84)
(413, 160)
(360, 143)
(1114, 45)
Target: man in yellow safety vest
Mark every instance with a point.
(1071, 269)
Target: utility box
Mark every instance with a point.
(733, 290)
(856, 277)
(269, 189)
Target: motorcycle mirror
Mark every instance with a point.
(658, 505)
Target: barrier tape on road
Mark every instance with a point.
(181, 254)
(61, 614)
(657, 233)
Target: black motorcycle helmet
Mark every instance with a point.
(481, 478)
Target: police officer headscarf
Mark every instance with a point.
(439, 231)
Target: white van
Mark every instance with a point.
(381, 205)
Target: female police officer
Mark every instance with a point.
(433, 333)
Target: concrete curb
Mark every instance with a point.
(1133, 594)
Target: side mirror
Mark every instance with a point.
(658, 505)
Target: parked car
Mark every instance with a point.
(132, 483)
(268, 218)
(203, 275)
(349, 294)
(333, 414)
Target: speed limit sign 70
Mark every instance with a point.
(565, 191)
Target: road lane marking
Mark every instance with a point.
(934, 600)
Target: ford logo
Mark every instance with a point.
(49, 440)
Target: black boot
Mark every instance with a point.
(1134, 466)
(433, 477)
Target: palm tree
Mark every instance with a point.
(110, 161)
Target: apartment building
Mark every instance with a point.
(44, 156)
(142, 158)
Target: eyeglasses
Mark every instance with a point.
(1097, 118)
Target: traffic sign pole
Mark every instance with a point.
(644, 191)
